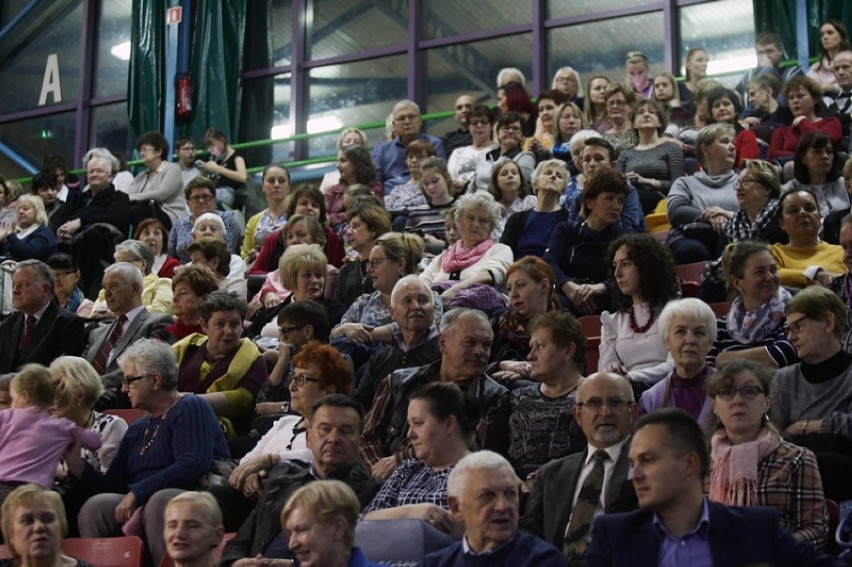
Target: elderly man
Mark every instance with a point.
(38, 331)
(676, 525)
(389, 157)
(769, 53)
(483, 493)
(333, 435)
(461, 137)
(465, 344)
(122, 284)
(415, 343)
(841, 106)
(569, 492)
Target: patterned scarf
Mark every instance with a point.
(749, 327)
(739, 228)
(734, 478)
(75, 300)
(513, 329)
(456, 258)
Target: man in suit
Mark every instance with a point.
(841, 104)
(676, 525)
(39, 331)
(604, 410)
(122, 285)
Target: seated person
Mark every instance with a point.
(464, 161)
(156, 291)
(806, 259)
(213, 253)
(210, 225)
(200, 198)
(764, 114)
(804, 97)
(160, 186)
(155, 234)
(219, 366)
(755, 326)
(198, 514)
(426, 221)
(817, 166)
(67, 294)
(752, 464)
(355, 167)
(725, 108)
(29, 237)
(275, 181)
(409, 195)
(190, 286)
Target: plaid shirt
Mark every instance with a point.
(738, 229)
(413, 482)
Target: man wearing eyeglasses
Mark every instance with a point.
(595, 480)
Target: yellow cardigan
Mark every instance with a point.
(792, 260)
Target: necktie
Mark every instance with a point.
(843, 101)
(577, 535)
(29, 326)
(102, 358)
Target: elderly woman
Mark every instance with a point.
(155, 234)
(576, 251)
(725, 108)
(645, 281)
(318, 370)
(751, 464)
(275, 181)
(441, 421)
(31, 546)
(594, 108)
(834, 39)
(757, 193)
(654, 163)
(219, 366)
(171, 448)
(688, 328)
(210, 225)
(805, 259)
(355, 166)
(201, 198)
(308, 201)
(193, 529)
(804, 97)
(464, 161)
(541, 427)
(475, 259)
(368, 220)
(812, 400)
(567, 80)
(529, 282)
(66, 275)
(190, 287)
(619, 113)
(158, 189)
(568, 121)
(698, 206)
(29, 237)
(214, 254)
(227, 168)
(76, 389)
(509, 188)
(765, 114)
(156, 291)
(755, 325)
(817, 167)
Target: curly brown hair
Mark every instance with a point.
(658, 283)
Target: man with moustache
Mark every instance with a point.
(557, 509)
(465, 343)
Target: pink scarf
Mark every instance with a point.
(456, 258)
(734, 478)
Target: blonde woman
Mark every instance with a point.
(29, 237)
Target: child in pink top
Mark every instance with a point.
(31, 441)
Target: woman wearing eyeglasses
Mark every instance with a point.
(201, 198)
(318, 370)
(751, 464)
(619, 112)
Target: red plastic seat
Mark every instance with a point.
(125, 551)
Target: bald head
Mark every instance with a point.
(604, 408)
(843, 70)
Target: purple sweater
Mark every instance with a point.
(31, 443)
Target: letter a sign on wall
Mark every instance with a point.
(50, 83)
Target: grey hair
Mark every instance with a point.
(128, 272)
(210, 217)
(410, 279)
(479, 460)
(451, 317)
(405, 103)
(624, 383)
(151, 356)
(479, 200)
(583, 135)
(573, 71)
(140, 252)
(510, 70)
(688, 308)
(104, 155)
(550, 163)
(36, 203)
(42, 270)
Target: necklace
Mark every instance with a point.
(636, 328)
(149, 442)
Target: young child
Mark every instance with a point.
(31, 442)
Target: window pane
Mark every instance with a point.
(9, 9)
(340, 28)
(34, 138)
(563, 9)
(23, 70)
(354, 94)
(726, 30)
(444, 19)
(267, 101)
(580, 46)
(113, 48)
(282, 31)
(471, 68)
(111, 129)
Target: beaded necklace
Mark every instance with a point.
(635, 326)
(149, 442)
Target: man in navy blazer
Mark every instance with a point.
(54, 332)
(676, 525)
(554, 493)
